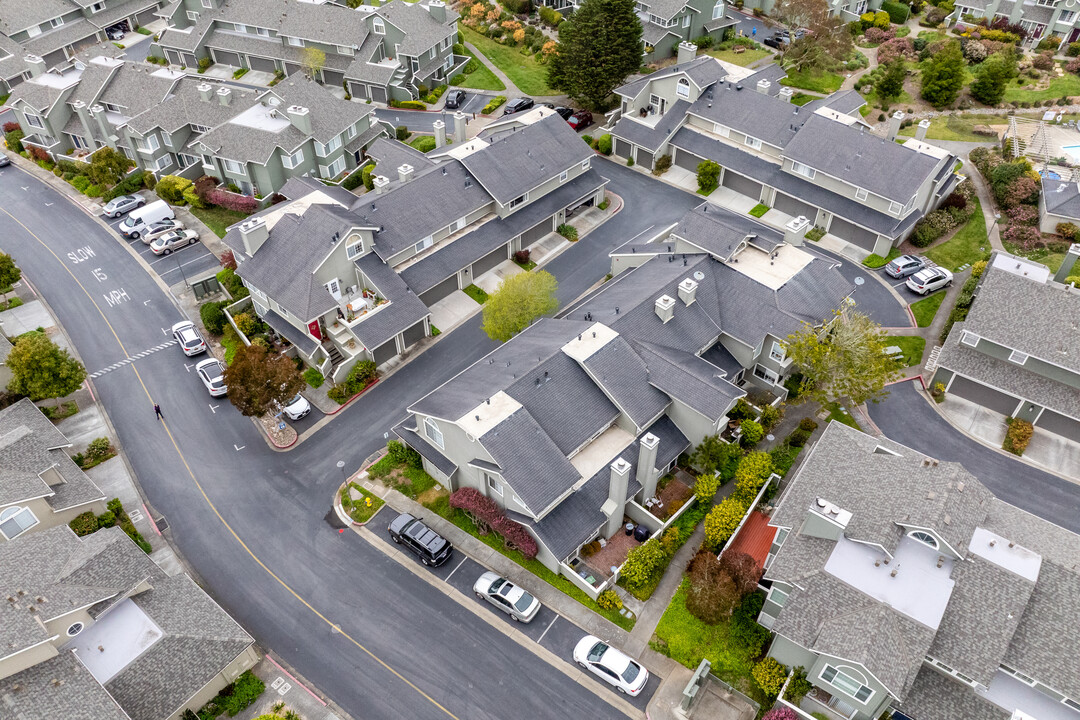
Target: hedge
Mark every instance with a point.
(898, 12)
(171, 189)
(495, 103)
(213, 318)
(408, 104)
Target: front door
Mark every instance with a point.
(314, 330)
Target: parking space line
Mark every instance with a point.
(189, 262)
(456, 568)
(169, 256)
(553, 621)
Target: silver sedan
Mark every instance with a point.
(506, 596)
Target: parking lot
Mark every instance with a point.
(548, 629)
(176, 267)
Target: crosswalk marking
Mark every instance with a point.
(132, 358)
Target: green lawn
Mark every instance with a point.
(423, 143)
(1067, 84)
(912, 345)
(523, 70)
(217, 218)
(924, 310)
(838, 413)
(476, 293)
(967, 246)
(1043, 255)
(875, 261)
(822, 82)
(687, 640)
(759, 210)
(359, 510)
(749, 57)
(481, 78)
(955, 127)
(802, 98)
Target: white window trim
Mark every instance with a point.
(355, 250)
(424, 244)
(350, 132)
(585, 165)
(207, 4)
(1067, 16)
(336, 168)
(57, 22)
(751, 141)
(149, 144)
(1018, 357)
(433, 433)
(895, 208)
(378, 26)
(804, 170)
(226, 163)
(916, 535)
(96, 8)
(334, 288)
(860, 193)
(837, 674)
(34, 121)
(342, 50)
(199, 128)
(494, 485)
(686, 20)
(682, 88)
(518, 201)
(192, 16)
(295, 41)
(240, 27)
(718, 10)
(33, 31)
(721, 130)
(166, 139)
(10, 513)
(292, 161)
(767, 374)
(773, 591)
(969, 338)
(563, 175)
(777, 352)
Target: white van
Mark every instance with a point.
(139, 219)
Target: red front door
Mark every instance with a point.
(313, 328)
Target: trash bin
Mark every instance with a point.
(641, 534)
(629, 528)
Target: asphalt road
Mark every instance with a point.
(179, 265)
(907, 417)
(251, 521)
(871, 297)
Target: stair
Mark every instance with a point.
(336, 358)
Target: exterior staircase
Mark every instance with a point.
(336, 358)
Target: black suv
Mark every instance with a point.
(429, 546)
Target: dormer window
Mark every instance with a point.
(924, 537)
(753, 142)
(718, 10)
(431, 430)
(378, 27)
(1018, 357)
(969, 339)
(683, 88)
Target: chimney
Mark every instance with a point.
(206, 91)
(894, 125)
(84, 117)
(795, 230)
(380, 182)
(224, 96)
(763, 86)
(665, 308)
(254, 233)
(404, 173)
(437, 8)
(300, 117)
(646, 465)
(460, 130)
(687, 52)
(36, 65)
(786, 94)
(688, 291)
(920, 132)
(1068, 266)
(615, 505)
(440, 133)
(104, 125)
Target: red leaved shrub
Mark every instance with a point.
(37, 153)
(228, 260)
(1025, 237)
(9, 126)
(484, 510)
(1023, 214)
(232, 201)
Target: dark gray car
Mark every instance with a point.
(905, 265)
(432, 549)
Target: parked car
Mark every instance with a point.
(120, 205)
(580, 119)
(564, 112)
(296, 408)
(518, 105)
(4, 160)
(610, 665)
(905, 265)
(115, 32)
(136, 223)
(455, 98)
(929, 280)
(432, 549)
(776, 40)
(506, 596)
(212, 373)
(156, 230)
(173, 240)
(191, 342)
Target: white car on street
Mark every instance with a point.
(296, 408)
(506, 596)
(928, 280)
(610, 665)
(212, 373)
(191, 342)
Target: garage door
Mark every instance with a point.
(440, 291)
(535, 233)
(414, 334)
(986, 396)
(224, 57)
(853, 233)
(644, 158)
(333, 78)
(174, 57)
(687, 161)
(489, 261)
(790, 206)
(1059, 424)
(189, 60)
(291, 69)
(385, 352)
(358, 90)
(622, 148)
(378, 94)
(262, 64)
(147, 16)
(742, 184)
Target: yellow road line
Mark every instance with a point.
(210, 503)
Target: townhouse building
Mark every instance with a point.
(819, 161)
(1044, 18)
(1016, 353)
(378, 54)
(347, 278)
(173, 124)
(901, 583)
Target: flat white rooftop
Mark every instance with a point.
(115, 641)
(584, 345)
(995, 548)
(262, 117)
(488, 414)
(920, 589)
(772, 272)
(1024, 701)
(1022, 267)
(601, 452)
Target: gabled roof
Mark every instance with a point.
(184, 106)
(403, 311)
(1061, 197)
(422, 30)
(687, 378)
(721, 233)
(739, 106)
(703, 70)
(77, 695)
(16, 15)
(624, 377)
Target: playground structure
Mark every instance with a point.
(1051, 143)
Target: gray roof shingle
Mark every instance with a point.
(720, 232)
(934, 696)
(77, 695)
(623, 375)
(703, 70)
(422, 30)
(651, 138)
(739, 106)
(1061, 197)
(420, 444)
(687, 378)
(403, 311)
(16, 15)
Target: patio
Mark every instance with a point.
(602, 562)
(672, 492)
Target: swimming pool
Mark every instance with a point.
(1072, 151)
(1049, 174)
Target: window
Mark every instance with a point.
(718, 10)
(199, 128)
(721, 130)
(56, 22)
(355, 250)
(295, 42)
(163, 162)
(185, 160)
(860, 194)
(378, 27)
(192, 16)
(14, 521)
(777, 352)
(424, 244)
(431, 430)
(804, 170)
(686, 21)
(494, 485)
(33, 31)
(350, 132)
(1067, 16)
(74, 629)
(847, 684)
(149, 143)
(895, 207)
(342, 50)
(969, 339)
(262, 32)
(233, 167)
(291, 161)
(111, 107)
(778, 596)
(334, 288)
(240, 27)
(97, 7)
(1017, 357)
(518, 201)
(563, 176)
(657, 20)
(431, 53)
(683, 88)
(34, 120)
(924, 537)
(78, 141)
(753, 142)
(324, 150)
(1071, 703)
(166, 139)
(766, 374)
(207, 4)
(336, 168)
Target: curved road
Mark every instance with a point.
(377, 640)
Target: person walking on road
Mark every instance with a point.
(157, 411)
(753, 32)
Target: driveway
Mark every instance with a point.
(872, 296)
(907, 417)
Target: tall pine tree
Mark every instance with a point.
(598, 48)
(943, 76)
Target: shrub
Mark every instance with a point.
(798, 437)
(353, 180)
(708, 176)
(714, 455)
(770, 676)
(609, 599)
(1023, 214)
(495, 103)
(568, 231)
(402, 133)
(98, 449)
(232, 201)
(881, 19)
(522, 256)
(1018, 436)
(232, 282)
(1073, 50)
(192, 198)
(488, 515)
(84, 524)
(246, 323)
(1067, 230)
(661, 165)
(94, 191)
(314, 378)
(402, 454)
(1043, 61)
(938, 392)
(202, 187)
(798, 686)
(240, 694)
(808, 424)
(367, 177)
(643, 563)
(722, 520)
(14, 138)
(898, 12)
(212, 315)
(1025, 237)
(361, 375)
(742, 411)
(754, 469)
(171, 188)
(551, 18)
(457, 79)
(782, 712)
(705, 488)
(752, 433)
(424, 144)
(712, 593)
(603, 145)
(408, 104)
(743, 570)
(770, 416)
(107, 519)
(745, 630)
(80, 182)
